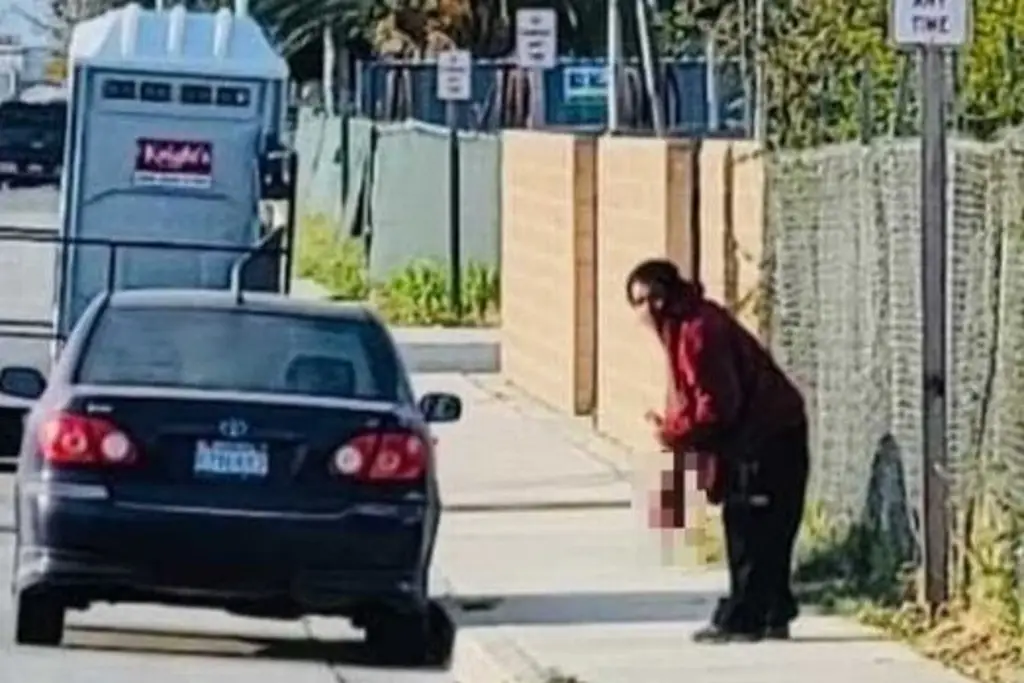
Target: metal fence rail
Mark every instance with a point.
(264, 266)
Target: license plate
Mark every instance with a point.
(7, 167)
(35, 169)
(231, 458)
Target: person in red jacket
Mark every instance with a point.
(733, 407)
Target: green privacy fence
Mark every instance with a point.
(396, 181)
(318, 142)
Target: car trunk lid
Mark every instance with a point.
(233, 451)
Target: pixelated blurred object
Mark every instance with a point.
(676, 509)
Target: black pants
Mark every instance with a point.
(762, 509)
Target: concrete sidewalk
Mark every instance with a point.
(499, 457)
(583, 592)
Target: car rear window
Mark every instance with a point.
(239, 350)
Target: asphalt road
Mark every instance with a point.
(129, 644)
(26, 271)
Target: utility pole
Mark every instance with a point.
(934, 29)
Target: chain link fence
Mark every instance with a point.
(844, 266)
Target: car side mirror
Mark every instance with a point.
(440, 407)
(22, 382)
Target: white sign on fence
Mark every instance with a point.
(454, 76)
(537, 38)
(940, 23)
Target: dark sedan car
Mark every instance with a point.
(263, 456)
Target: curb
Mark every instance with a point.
(481, 654)
(471, 663)
(538, 506)
(475, 661)
(456, 350)
(432, 349)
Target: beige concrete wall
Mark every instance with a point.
(566, 200)
(547, 275)
(645, 191)
(732, 225)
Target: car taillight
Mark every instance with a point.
(76, 440)
(382, 457)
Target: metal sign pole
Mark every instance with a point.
(934, 28)
(649, 64)
(454, 210)
(760, 96)
(614, 55)
(454, 85)
(933, 286)
(536, 98)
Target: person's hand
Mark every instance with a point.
(658, 423)
(654, 419)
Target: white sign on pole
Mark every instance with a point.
(937, 23)
(537, 38)
(454, 76)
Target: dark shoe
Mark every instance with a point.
(777, 632)
(717, 634)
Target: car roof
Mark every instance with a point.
(257, 302)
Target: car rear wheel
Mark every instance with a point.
(40, 620)
(401, 638)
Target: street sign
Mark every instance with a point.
(537, 38)
(454, 76)
(936, 23)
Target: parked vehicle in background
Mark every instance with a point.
(257, 453)
(32, 139)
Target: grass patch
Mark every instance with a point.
(417, 295)
(859, 571)
(849, 570)
(338, 265)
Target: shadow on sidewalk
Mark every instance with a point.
(189, 643)
(582, 608)
(668, 608)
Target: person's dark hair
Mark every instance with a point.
(664, 283)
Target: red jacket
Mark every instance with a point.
(730, 395)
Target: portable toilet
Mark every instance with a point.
(172, 117)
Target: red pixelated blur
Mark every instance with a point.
(692, 480)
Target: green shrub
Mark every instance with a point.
(420, 295)
(481, 289)
(337, 264)
(417, 295)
